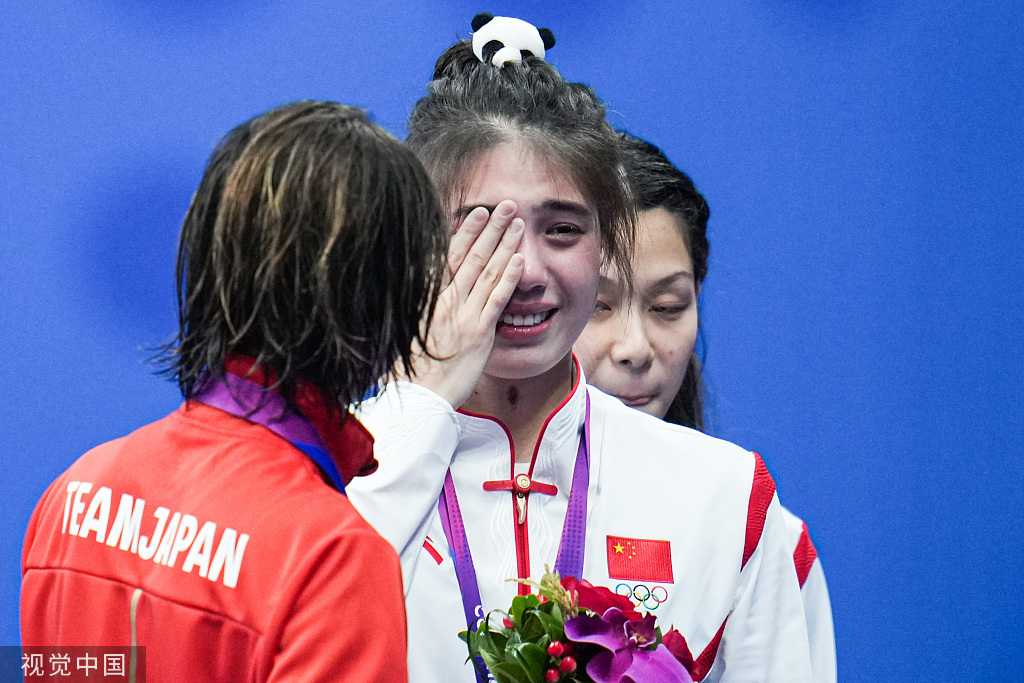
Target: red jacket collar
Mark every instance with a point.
(348, 443)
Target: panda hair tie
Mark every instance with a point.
(499, 40)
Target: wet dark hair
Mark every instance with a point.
(472, 107)
(661, 185)
(315, 244)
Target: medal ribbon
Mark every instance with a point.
(251, 401)
(568, 562)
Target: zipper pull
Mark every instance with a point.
(521, 506)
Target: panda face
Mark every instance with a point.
(498, 40)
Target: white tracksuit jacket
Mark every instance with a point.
(649, 481)
(814, 591)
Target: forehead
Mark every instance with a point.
(660, 250)
(660, 238)
(511, 171)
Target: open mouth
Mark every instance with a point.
(530, 320)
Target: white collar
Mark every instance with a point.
(555, 455)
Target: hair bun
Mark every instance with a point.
(456, 61)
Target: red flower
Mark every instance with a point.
(599, 599)
(676, 644)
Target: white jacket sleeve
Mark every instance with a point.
(818, 609)
(765, 636)
(415, 434)
(814, 592)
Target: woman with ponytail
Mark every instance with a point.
(496, 458)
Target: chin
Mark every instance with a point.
(654, 409)
(523, 363)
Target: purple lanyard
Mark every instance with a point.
(247, 399)
(568, 562)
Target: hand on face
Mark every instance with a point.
(561, 250)
(484, 270)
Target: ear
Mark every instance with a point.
(490, 49)
(548, 37)
(481, 19)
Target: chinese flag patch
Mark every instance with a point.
(639, 559)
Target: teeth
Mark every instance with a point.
(524, 320)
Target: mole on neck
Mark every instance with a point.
(513, 396)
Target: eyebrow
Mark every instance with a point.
(669, 279)
(659, 284)
(563, 206)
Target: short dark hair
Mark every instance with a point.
(472, 107)
(661, 185)
(315, 244)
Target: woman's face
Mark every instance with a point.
(561, 247)
(636, 347)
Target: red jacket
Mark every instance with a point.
(263, 572)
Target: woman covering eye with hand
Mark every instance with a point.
(640, 343)
(496, 458)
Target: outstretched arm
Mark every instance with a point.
(413, 421)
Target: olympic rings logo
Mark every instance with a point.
(650, 598)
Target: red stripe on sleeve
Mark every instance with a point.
(804, 555)
(761, 492)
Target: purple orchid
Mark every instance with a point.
(626, 658)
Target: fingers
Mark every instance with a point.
(487, 269)
(494, 273)
(485, 240)
(502, 292)
(464, 237)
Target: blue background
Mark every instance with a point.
(864, 162)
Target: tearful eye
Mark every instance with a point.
(565, 233)
(566, 228)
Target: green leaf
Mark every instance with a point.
(533, 628)
(556, 611)
(553, 625)
(499, 641)
(491, 660)
(491, 643)
(509, 672)
(514, 637)
(533, 659)
(521, 603)
(471, 642)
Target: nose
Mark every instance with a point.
(633, 348)
(534, 276)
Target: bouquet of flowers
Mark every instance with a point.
(572, 631)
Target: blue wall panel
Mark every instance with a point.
(865, 167)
